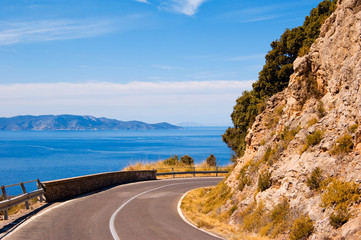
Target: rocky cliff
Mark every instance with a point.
(306, 145)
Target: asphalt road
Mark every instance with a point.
(143, 210)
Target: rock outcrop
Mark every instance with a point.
(324, 96)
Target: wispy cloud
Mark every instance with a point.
(48, 30)
(187, 7)
(256, 14)
(151, 101)
(142, 1)
(259, 19)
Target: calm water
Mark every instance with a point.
(61, 154)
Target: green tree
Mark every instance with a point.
(172, 160)
(211, 161)
(187, 160)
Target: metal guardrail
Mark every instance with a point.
(25, 197)
(194, 172)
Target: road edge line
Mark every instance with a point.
(112, 218)
(188, 222)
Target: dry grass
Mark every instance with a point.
(19, 208)
(344, 145)
(162, 167)
(312, 122)
(312, 139)
(197, 206)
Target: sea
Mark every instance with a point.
(51, 155)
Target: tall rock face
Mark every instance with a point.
(314, 123)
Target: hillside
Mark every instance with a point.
(300, 174)
(73, 122)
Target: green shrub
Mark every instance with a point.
(353, 128)
(267, 155)
(314, 138)
(187, 160)
(243, 180)
(312, 88)
(314, 181)
(280, 211)
(321, 111)
(279, 218)
(233, 209)
(339, 217)
(302, 228)
(272, 154)
(339, 193)
(344, 144)
(264, 181)
(254, 220)
(172, 160)
(211, 161)
(289, 134)
(312, 122)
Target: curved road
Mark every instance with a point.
(143, 210)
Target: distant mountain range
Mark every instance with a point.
(74, 122)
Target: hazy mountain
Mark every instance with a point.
(74, 122)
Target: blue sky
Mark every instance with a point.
(148, 60)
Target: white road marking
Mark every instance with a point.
(112, 219)
(188, 222)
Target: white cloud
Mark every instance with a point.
(142, 1)
(187, 7)
(258, 14)
(201, 101)
(12, 32)
(48, 30)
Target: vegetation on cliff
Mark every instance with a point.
(275, 74)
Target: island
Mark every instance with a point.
(74, 122)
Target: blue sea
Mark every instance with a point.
(28, 155)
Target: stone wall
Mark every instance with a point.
(63, 189)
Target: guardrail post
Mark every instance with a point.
(194, 171)
(38, 184)
(6, 212)
(24, 192)
(173, 173)
(217, 171)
